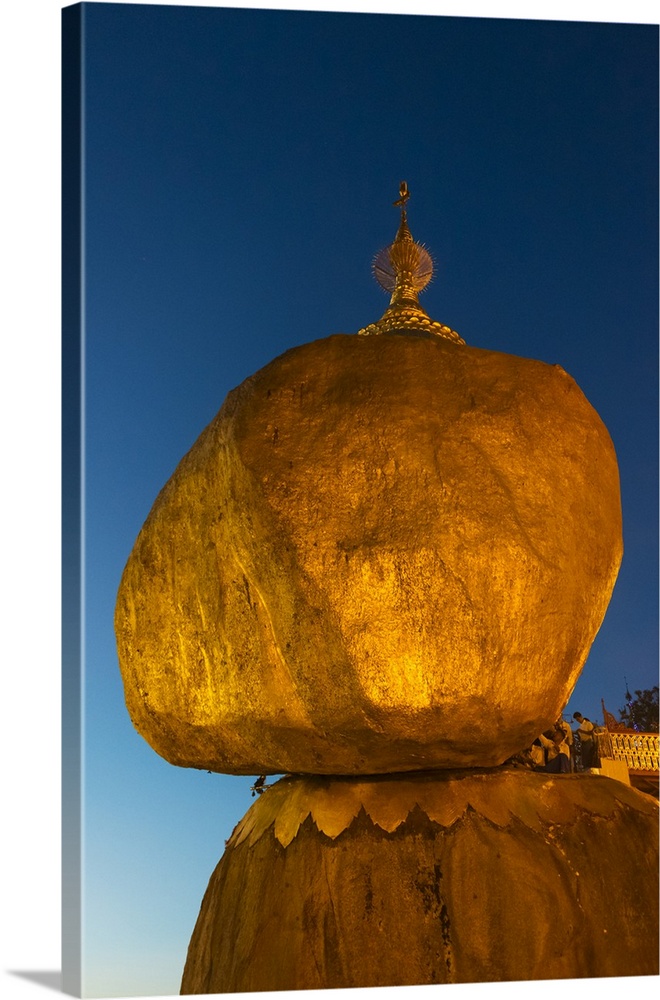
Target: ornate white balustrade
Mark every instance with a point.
(638, 750)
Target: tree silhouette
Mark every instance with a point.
(641, 713)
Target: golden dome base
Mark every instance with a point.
(410, 320)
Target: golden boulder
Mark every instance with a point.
(385, 553)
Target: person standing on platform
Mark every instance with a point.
(585, 731)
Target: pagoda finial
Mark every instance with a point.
(404, 268)
(404, 194)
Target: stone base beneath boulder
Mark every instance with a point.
(437, 877)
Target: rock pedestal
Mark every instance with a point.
(437, 878)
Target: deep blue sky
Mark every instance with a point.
(240, 168)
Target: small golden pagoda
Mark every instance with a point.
(405, 268)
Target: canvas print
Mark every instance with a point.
(360, 369)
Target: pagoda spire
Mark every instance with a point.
(404, 268)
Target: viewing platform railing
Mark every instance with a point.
(639, 751)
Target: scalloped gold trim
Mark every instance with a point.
(501, 796)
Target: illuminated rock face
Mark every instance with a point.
(384, 554)
(481, 877)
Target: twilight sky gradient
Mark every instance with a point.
(240, 167)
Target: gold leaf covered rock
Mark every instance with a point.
(439, 878)
(385, 553)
